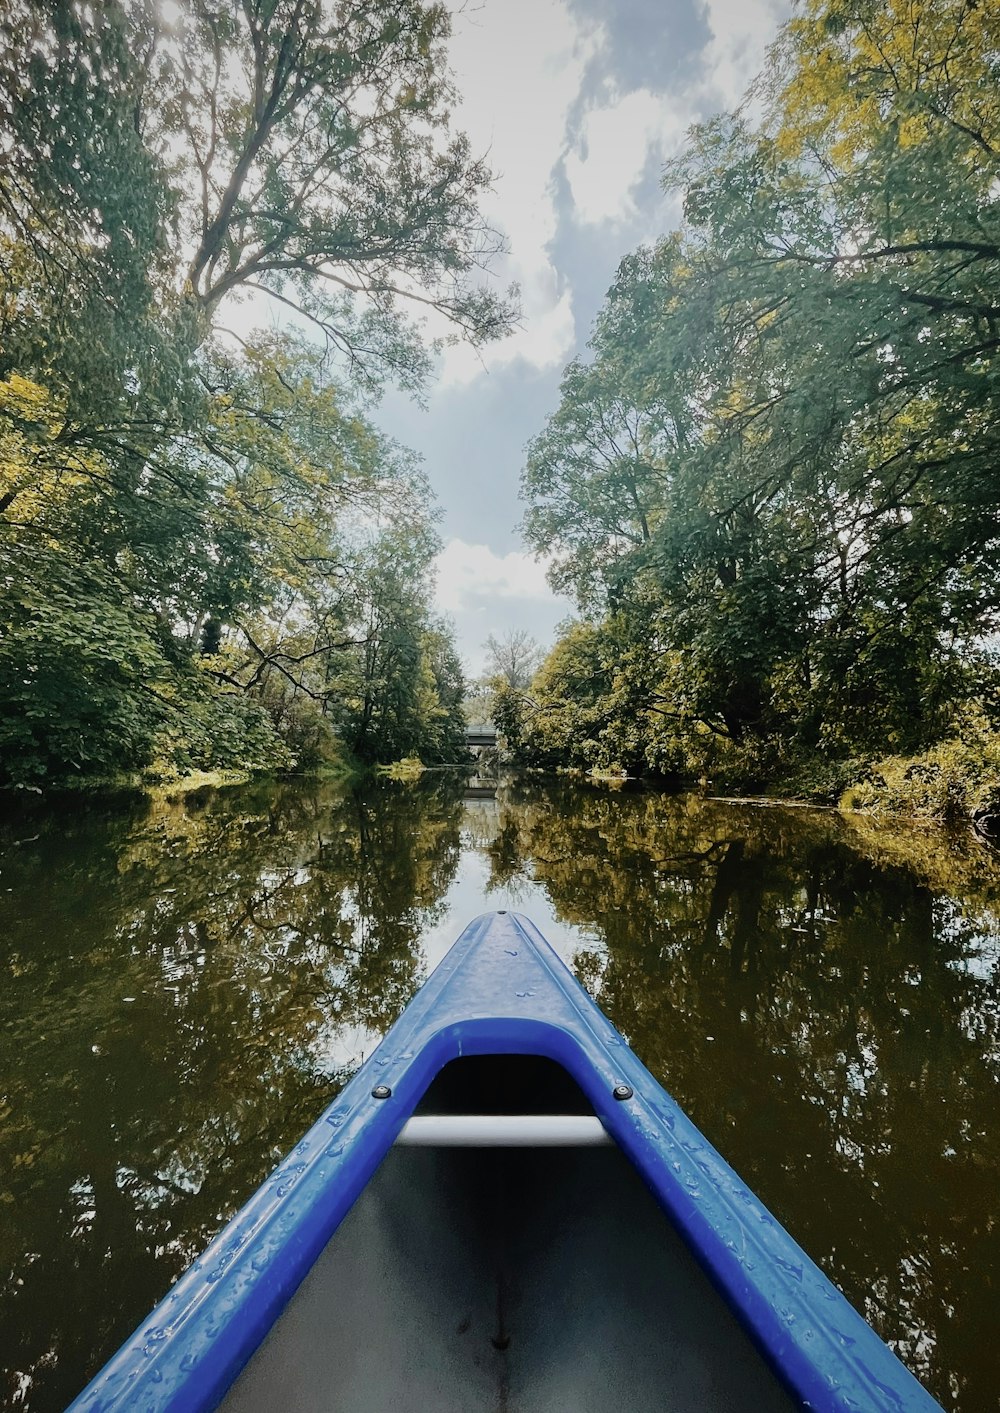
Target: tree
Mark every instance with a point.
(193, 489)
(514, 657)
(298, 147)
(395, 689)
(85, 215)
(595, 477)
(319, 167)
(781, 458)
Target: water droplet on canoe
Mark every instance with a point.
(521, 994)
(509, 952)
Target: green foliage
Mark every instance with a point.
(507, 711)
(85, 215)
(398, 681)
(187, 518)
(81, 676)
(778, 469)
(570, 693)
(946, 784)
(230, 731)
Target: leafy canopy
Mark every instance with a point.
(184, 511)
(780, 463)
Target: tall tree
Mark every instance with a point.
(514, 657)
(313, 138)
(398, 688)
(85, 215)
(811, 366)
(150, 170)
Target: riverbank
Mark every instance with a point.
(954, 784)
(158, 784)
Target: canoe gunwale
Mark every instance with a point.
(193, 1345)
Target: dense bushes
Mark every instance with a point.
(955, 780)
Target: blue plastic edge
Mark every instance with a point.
(500, 990)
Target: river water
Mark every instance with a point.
(187, 983)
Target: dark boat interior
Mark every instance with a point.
(507, 1280)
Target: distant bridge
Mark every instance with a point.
(481, 735)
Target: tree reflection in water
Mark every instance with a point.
(185, 989)
(830, 1022)
(187, 984)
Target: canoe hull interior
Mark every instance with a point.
(485, 1279)
(365, 1275)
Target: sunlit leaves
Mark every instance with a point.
(208, 500)
(808, 376)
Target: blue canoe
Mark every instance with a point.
(503, 1210)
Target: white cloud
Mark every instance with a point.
(741, 32)
(615, 141)
(472, 576)
(518, 67)
(483, 592)
(612, 152)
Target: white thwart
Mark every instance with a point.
(504, 1131)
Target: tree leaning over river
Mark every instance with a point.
(187, 511)
(773, 486)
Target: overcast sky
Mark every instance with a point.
(578, 103)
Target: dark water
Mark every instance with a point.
(186, 985)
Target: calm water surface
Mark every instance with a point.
(185, 985)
